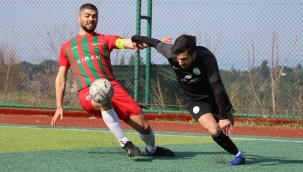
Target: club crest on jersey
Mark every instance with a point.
(95, 45)
(196, 71)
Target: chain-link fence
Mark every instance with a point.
(258, 45)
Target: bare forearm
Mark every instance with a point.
(60, 90)
(128, 44)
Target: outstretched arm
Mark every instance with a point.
(167, 40)
(129, 44)
(163, 46)
(140, 42)
(146, 40)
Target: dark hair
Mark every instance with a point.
(184, 43)
(88, 6)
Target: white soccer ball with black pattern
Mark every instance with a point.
(101, 91)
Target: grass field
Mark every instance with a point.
(35, 148)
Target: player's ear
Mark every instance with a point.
(79, 18)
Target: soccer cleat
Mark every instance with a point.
(161, 151)
(130, 149)
(239, 159)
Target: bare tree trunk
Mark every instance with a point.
(7, 77)
(274, 95)
(275, 72)
(250, 66)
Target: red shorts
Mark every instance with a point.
(124, 105)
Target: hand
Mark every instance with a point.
(59, 112)
(139, 46)
(225, 126)
(167, 40)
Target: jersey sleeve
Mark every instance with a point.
(216, 84)
(110, 41)
(164, 49)
(63, 60)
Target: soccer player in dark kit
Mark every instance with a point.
(88, 56)
(201, 87)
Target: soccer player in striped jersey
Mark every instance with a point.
(88, 56)
(201, 88)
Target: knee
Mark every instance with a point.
(214, 132)
(139, 123)
(145, 130)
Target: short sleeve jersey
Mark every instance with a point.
(88, 56)
(195, 80)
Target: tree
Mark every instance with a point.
(299, 66)
(251, 61)
(8, 68)
(275, 70)
(264, 69)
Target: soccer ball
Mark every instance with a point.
(101, 91)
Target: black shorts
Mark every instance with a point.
(197, 108)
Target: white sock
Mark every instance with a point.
(149, 141)
(113, 123)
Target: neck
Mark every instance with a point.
(193, 57)
(83, 32)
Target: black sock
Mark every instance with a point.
(227, 144)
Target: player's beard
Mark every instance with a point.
(187, 65)
(88, 30)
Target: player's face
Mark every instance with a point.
(185, 59)
(88, 20)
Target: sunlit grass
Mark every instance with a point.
(19, 139)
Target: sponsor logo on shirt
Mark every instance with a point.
(189, 80)
(187, 77)
(85, 59)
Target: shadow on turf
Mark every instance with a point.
(218, 157)
(266, 160)
(144, 157)
(180, 155)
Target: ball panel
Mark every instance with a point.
(101, 91)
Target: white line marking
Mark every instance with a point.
(169, 135)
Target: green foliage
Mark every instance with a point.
(243, 99)
(34, 85)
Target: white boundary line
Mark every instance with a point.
(170, 135)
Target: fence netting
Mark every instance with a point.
(258, 45)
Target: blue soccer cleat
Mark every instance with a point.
(239, 160)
